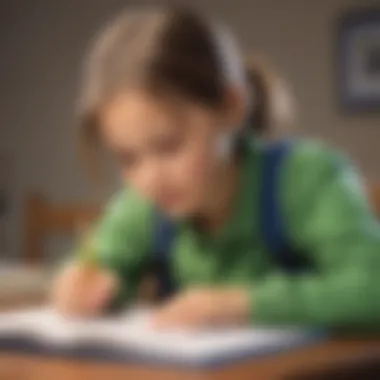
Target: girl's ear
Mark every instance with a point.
(234, 117)
(237, 106)
(224, 146)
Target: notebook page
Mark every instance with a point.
(195, 346)
(132, 332)
(48, 325)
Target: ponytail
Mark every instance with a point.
(272, 114)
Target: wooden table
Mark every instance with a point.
(283, 366)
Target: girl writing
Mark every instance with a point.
(166, 91)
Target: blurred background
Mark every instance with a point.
(42, 44)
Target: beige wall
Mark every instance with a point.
(42, 42)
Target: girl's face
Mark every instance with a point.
(166, 150)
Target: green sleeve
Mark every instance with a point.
(123, 239)
(328, 218)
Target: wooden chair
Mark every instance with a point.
(43, 218)
(374, 196)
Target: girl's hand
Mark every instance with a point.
(82, 290)
(196, 308)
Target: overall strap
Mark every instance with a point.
(164, 236)
(272, 220)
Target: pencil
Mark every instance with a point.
(87, 253)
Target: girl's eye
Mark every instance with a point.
(126, 160)
(168, 145)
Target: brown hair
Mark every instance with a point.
(175, 52)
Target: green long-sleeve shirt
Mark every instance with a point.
(326, 215)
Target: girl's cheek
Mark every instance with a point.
(195, 171)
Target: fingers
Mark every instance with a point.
(169, 318)
(101, 292)
(180, 313)
(204, 308)
(179, 319)
(82, 291)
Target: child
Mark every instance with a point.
(166, 92)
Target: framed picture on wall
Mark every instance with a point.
(358, 60)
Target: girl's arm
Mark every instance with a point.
(123, 238)
(109, 270)
(329, 219)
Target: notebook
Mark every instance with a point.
(130, 337)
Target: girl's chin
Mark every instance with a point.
(178, 211)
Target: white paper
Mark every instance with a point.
(132, 331)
